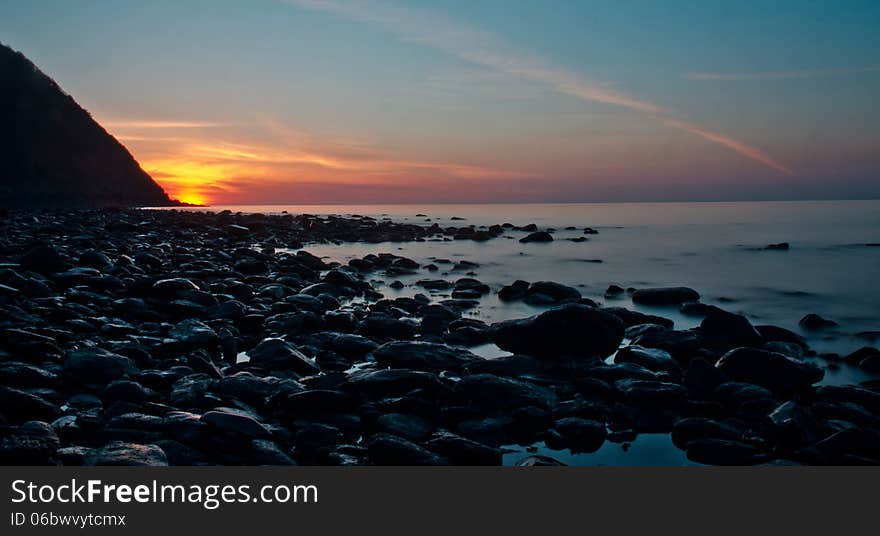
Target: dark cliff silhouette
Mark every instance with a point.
(53, 154)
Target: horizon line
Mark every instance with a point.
(438, 203)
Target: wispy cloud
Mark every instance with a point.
(480, 48)
(147, 124)
(203, 168)
(785, 75)
(746, 150)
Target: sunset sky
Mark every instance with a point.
(387, 101)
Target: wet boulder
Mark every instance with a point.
(514, 291)
(236, 422)
(193, 334)
(724, 331)
(550, 293)
(776, 333)
(632, 318)
(44, 259)
(498, 392)
(388, 327)
(653, 359)
(19, 406)
(463, 451)
(701, 378)
(22, 375)
(581, 435)
(32, 443)
(573, 330)
(387, 449)
(814, 322)
(275, 353)
(650, 391)
(537, 236)
(405, 425)
(776, 372)
(97, 366)
(724, 452)
(391, 382)
(665, 296)
(418, 355)
(681, 345)
(118, 453)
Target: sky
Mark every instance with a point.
(393, 101)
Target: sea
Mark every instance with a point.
(832, 268)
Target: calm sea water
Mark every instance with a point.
(716, 248)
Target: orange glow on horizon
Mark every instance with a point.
(190, 181)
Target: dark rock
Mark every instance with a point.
(97, 366)
(665, 296)
(493, 431)
(316, 401)
(814, 322)
(514, 291)
(850, 393)
(850, 441)
(392, 382)
(538, 236)
(651, 392)
(581, 435)
(613, 291)
(691, 429)
(634, 332)
(232, 421)
(572, 329)
(634, 318)
(702, 378)
(21, 375)
(348, 345)
(192, 391)
(871, 364)
(386, 449)
(682, 345)
(43, 259)
(497, 392)
(539, 461)
(94, 259)
(423, 356)
(550, 293)
(856, 357)
(169, 289)
(193, 334)
(179, 454)
(463, 451)
(32, 443)
(652, 359)
(280, 354)
(317, 435)
(513, 366)
(736, 394)
(775, 333)
(384, 326)
(789, 349)
(724, 331)
(118, 453)
(128, 391)
(693, 308)
(723, 452)
(407, 426)
(775, 372)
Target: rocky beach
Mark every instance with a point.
(173, 337)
